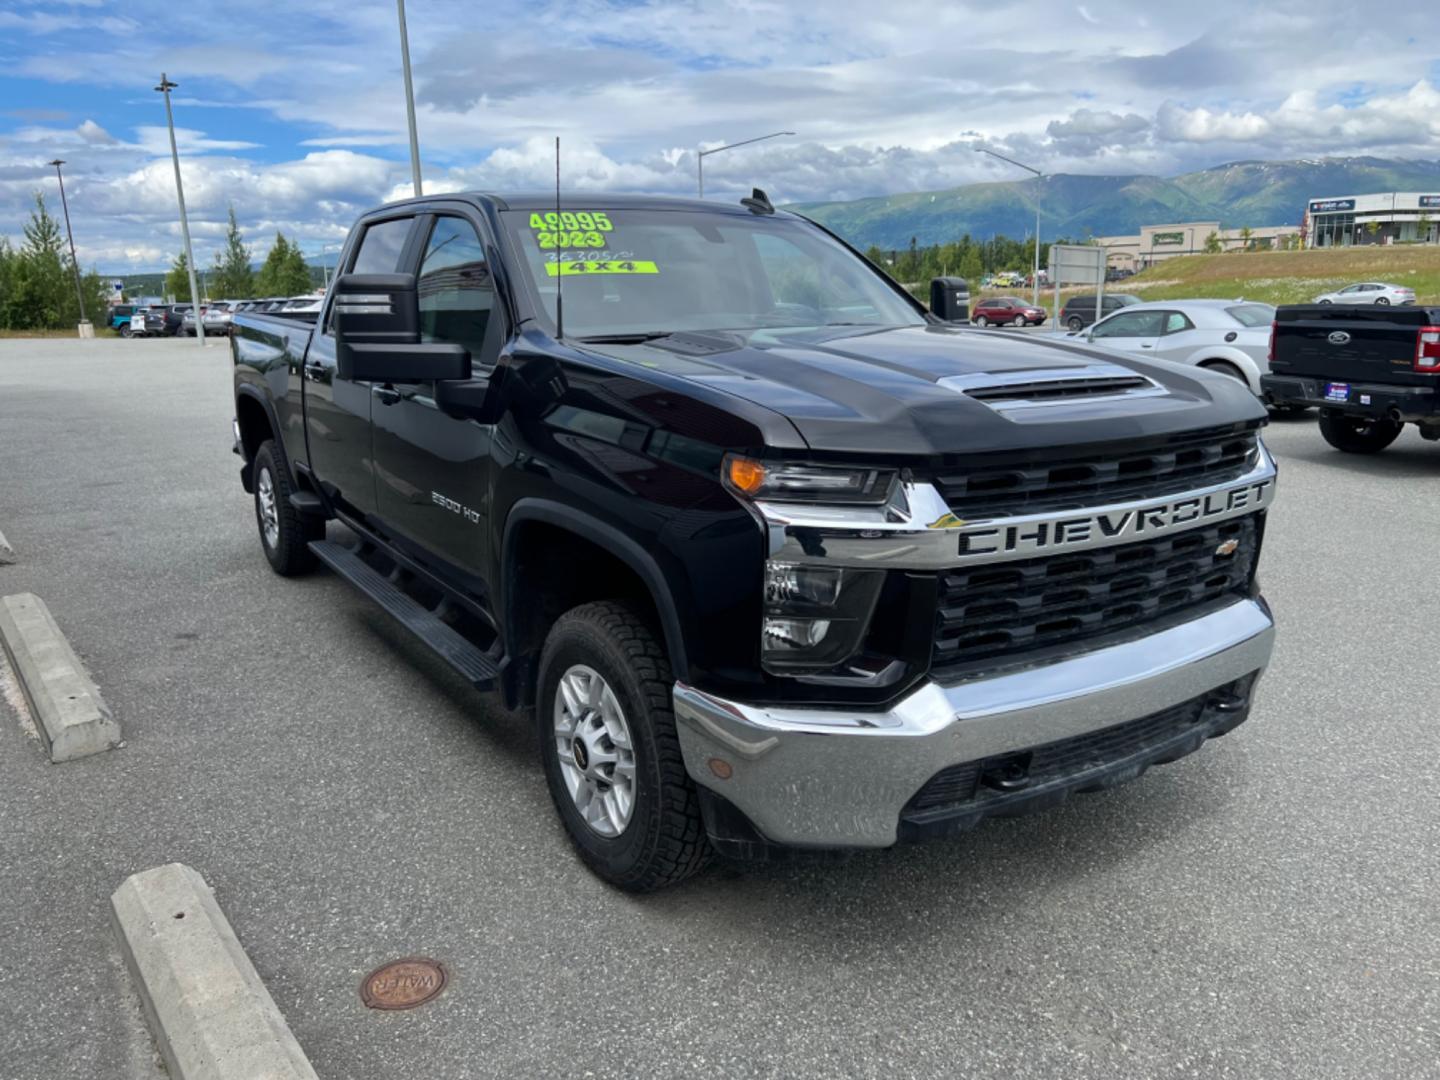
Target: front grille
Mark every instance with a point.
(1011, 610)
(1057, 389)
(960, 784)
(1141, 469)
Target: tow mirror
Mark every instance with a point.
(950, 299)
(377, 333)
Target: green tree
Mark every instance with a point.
(1212, 244)
(268, 281)
(1422, 228)
(232, 278)
(177, 280)
(295, 277)
(970, 268)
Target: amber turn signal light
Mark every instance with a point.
(746, 474)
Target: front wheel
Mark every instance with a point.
(1020, 320)
(611, 753)
(1358, 434)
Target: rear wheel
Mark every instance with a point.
(125, 330)
(1327, 301)
(285, 534)
(981, 320)
(611, 754)
(1224, 367)
(1075, 323)
(1358, 434)
(1383, 301)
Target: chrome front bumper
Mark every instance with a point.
(813, 777)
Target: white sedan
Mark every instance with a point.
(1228, 336)
(1369, 292)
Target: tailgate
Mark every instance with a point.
(1351, 343)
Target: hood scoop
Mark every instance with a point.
(1038, 387)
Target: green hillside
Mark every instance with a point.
(1242, 193)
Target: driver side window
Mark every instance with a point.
(1131, 324)
(456, 293)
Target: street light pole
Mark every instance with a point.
(165, 87)
(701, 155)
(74, 260)
(409, 100)
(1035, 299)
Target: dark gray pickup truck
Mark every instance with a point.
(776, 557)
(1370, 370)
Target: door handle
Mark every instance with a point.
(388, 395)
(1147, 345)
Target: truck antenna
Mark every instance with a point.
(559, 253)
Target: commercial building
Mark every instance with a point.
(1390, 217)
(1156, 243)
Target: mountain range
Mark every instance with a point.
(1252, 193)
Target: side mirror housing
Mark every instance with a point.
(377, 333)
(950, 299)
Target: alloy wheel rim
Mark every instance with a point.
(595, 750)
(269, 516)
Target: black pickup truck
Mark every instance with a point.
(1370, 370)
(777, 557)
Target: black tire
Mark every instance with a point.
(289, 554)
(664, 840)
(1019, 321)
(981, 321)
(1224, 367)
(1327, 301)
(1382, 301)
(1358, 434)
(125, 330)
(1075, 324)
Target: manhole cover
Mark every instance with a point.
(403, 984)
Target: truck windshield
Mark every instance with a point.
(647, 272)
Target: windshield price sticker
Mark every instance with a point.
(580, 269)
(571, 229)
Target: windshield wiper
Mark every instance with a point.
(636, 338)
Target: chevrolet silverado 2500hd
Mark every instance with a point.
(777, 557)
(1371, 370)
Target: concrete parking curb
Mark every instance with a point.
(7, 553)
(72, 718)
(210, 1014)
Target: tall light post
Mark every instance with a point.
(409, 100)
(703, 154)
(1035, 299)
(74, 260)
(165, 87)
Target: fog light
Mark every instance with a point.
(795, 633)
(790, 583)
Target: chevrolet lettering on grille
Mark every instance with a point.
(1021, 538)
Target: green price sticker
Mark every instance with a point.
(581, 269)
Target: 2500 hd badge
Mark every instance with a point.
(1020, 538)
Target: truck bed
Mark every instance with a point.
(1351, 342)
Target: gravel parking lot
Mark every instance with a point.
(1265, 908)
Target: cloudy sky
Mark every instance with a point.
(293, 110)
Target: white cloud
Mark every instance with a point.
(93, 133)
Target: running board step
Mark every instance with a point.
(459, 653)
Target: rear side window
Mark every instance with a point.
(381, 246)
(1252, 314)
(1175, 322)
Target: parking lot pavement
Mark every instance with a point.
(1265, 908)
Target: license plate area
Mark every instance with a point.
(1337, 391)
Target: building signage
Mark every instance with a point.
(1325, 206)
(1167, 238)
(1430, 200)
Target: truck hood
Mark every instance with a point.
(927, 390)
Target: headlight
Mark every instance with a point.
(784, 482)
(815, 616)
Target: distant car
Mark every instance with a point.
(1369, 292)
(309, 305)
(175, 317)
(1007, 311)
(1228, 336)
(215, 317)
(143, 322)
(1079, 311)
(118, 315)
